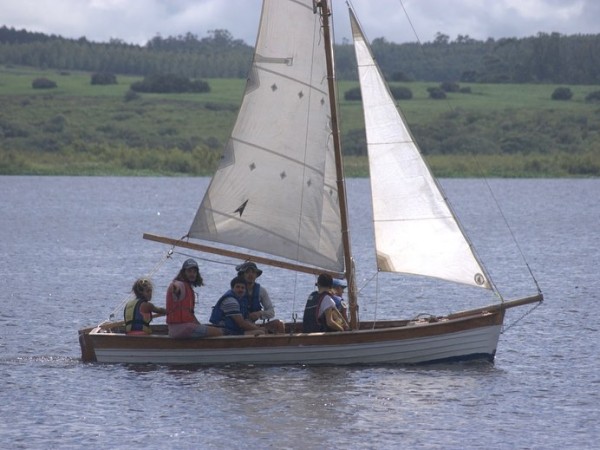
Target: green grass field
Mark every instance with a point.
(76, 128)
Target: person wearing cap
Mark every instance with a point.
(230, 313)
(259, 303)
(137, 314)
(338, 297)
(320, 312)
(181, 300)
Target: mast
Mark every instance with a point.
(337, 148)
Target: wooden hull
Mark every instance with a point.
(466, 337)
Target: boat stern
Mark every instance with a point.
(87, 347)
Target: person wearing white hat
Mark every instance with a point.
(259, 303)
(338, 297)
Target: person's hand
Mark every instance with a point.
(254, 316)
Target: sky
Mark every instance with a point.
(138, 21)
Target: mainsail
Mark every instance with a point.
(415, 230)
(275, 189)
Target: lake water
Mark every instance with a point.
(72, 247)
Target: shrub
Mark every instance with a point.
(593, 97)
(401, 92)
(562, 93)
(56, 124)
(103, 78)
(43, 83)
(398, 92)
(400, 76)
(130, 95)
(436, 93)
(353, 94)
(169, 83)
(449, 86)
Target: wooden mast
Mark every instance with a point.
(341, 186)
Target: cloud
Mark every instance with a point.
(138, 21)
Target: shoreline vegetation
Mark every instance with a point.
(487, 130)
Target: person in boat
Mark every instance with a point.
(181, 300)
(320, 312)
(338, 297)
(259, 303)
(138, 312)
(230, 313)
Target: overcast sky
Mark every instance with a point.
(137, 21)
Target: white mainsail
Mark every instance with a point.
(275, 189)
(415, 230)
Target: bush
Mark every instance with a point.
(56, 124)
(103, 78)
(593, 97)
(398, 92)
(562, 93)
(43, 83)
(449, 86)
(400, 76)
(130, 96)
(353, 94)
(436, 93)
(401, 92)
(169, 83)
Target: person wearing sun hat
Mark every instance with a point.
(181, 300)
(259, 303)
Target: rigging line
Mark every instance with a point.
(119, 308)
(411, 25)
(512, 234)
(203, 258)
(508, 327)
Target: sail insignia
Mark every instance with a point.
(240, 210)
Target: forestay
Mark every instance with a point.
(275, 189)
(415, 230)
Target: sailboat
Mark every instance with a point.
(278, 198)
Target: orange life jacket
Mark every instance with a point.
(181, 311)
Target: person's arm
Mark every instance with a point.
(335, 321)
(156, 309)
(245, 325)
(268, 311)
(177, 289)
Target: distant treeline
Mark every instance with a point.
(544, 58)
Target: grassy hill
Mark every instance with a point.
(82, 129)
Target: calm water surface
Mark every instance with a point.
(72, 248)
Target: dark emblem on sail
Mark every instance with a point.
(479, 278)
(241, 208)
